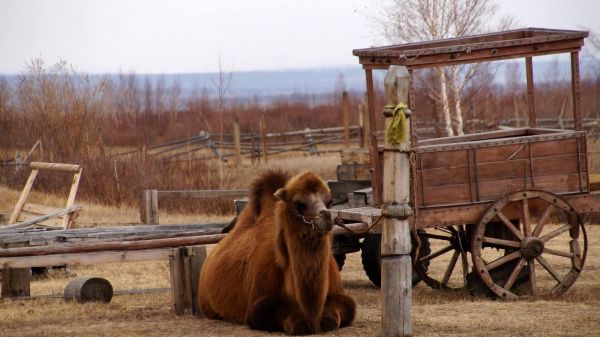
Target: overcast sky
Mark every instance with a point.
(150, 36)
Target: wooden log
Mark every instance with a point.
(120, 245)
(55, 167)
(88, 289)
(196, 256)
(15, 282)
(396, 242)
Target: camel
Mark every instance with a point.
(275, 271)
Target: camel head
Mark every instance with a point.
(307, 198)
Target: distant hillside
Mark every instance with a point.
(316, 82)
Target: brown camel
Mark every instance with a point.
(275, 271)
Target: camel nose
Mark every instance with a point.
(325, 213)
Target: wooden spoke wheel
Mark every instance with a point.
(446, 265)
(542, 240)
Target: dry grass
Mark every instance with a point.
(434, 313)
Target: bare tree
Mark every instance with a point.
(403, 21)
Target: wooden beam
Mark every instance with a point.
(530, 92)
(263, 137)
(366, 122)
(373, 151)
(576, 90)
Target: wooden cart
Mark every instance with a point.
(505, 205)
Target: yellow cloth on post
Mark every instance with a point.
(397, 131)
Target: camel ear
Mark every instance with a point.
(280, 194)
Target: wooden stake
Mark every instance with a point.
(346, 118)
(395, 244)
(182, 293)
(263, 137)
(236, 141)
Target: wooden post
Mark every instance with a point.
(149, 207)
(263, 136)
(361, 127)
(196, 257)
(236, 142)
(346, 118)
(576, 90)
(396, 267)
(530, 92)
(15, 282)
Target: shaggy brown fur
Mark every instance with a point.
(274, 271)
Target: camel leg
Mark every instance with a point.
(272, 313)
(339, 312)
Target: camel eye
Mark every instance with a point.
(299, 206)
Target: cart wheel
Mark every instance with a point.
(546, 239)
(371, 257)
(437, 269)
(340, 259)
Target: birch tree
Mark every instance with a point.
(402, 21)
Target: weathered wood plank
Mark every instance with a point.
(85, 259)
(15, 282)
(354, 172)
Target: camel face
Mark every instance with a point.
(308, 199)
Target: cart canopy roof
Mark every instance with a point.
(510, 44)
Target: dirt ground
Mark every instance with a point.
(435, 313)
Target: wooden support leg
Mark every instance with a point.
(186, 264)
(396, 278)
(196, 257)
(15, 282)
(182, 292)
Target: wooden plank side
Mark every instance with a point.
(493, 189)
(443, 159)
(499, 153)
(558, 183)
(501, 170)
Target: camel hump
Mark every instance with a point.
(265, 186)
